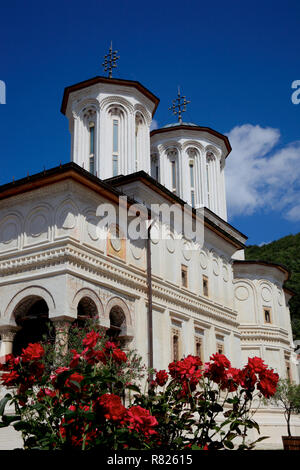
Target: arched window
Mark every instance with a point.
(192, 174)
(155, 166)
(173, 159)
(139, 140)
(92, 147)
(209, 158)
(117, 118)
(89, 117)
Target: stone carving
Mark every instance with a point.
(38, 225)
(186, 250)
(203, 259)
(216, 268)
(170, 242)
(266, 294)
(241, 293)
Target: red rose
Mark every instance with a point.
(256, 364)
(75, 377)
(112, 407)
(11, 378)
(186, 368)
(216, 370)
(119, 356)
(161, 377)
(268, 383)
(33, 352)
(91, 339)
(220, 360)
(141, 420)
(231, 380)
(75, 359)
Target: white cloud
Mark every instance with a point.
(153, 125)
(259, 175)
(294, 214)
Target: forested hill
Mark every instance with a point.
(285, 251)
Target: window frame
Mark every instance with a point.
(267, 310)
(206, 288)
(184, 269)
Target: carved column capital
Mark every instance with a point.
(8, 333)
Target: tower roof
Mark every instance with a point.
(113, 81)
(193, 127)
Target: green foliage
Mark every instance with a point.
(53, 359)
(288, 397)
(85, 404)
(284, 251)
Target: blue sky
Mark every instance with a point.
(234, 60)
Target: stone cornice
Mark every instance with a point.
(266, 334)
(71, 257)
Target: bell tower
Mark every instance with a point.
(190, 160)
(109, 122)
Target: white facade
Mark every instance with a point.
(203, 300)
(110, 127)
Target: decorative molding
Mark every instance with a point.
(73, 258)
(110, 101)
(241, 293)
(259, 334)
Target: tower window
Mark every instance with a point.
(115, 156)
(174, 182)
(192, 182)
(92, 148)
(192, 179)
(205, 285)
(155, 167)
(267, 315)
(115, 136)
(184, 275)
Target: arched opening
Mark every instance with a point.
(117, 322)
(32, 316)
(86, 310)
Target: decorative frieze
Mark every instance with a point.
(264, 335)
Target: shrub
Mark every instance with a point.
(81, 405)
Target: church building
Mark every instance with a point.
(159, 294)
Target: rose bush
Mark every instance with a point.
(89, 403)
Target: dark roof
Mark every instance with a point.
(281, 267)
(142, 175)
(112, 81)
(108, 187)
(192, 127)
(54, 175)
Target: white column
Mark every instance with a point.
(62, 326)
(7, 337)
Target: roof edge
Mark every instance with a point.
(278, 266)
(115, 81)
(195, 128)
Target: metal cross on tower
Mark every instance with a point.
(179, 105)
(110, 60)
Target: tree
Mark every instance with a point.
(288, 396)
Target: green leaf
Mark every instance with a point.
(22, 426)
(135, 388)
(8, 419)
(3, 402)
(229, 444)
